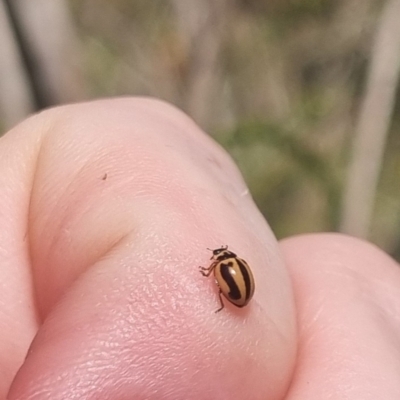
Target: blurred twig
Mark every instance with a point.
(16, 99)
(201, 27)
(373, 124)
(49, 48)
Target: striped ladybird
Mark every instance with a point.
(233, 277)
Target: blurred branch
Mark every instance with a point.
(49, 48)
(373, 124)
(16, 100)
(201, 25)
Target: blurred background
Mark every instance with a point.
(302, 93)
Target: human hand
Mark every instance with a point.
(107, 210)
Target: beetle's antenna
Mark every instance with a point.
(210, 249)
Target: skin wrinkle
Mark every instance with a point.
(28, 237)
(16, 182)
(38, 158)
(112, 243)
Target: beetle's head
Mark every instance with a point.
(221, 253)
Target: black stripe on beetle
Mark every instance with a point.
(226, 273)
(245, 270)
(233, 277)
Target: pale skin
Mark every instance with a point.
(107, 210)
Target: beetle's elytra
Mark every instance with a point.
(233, 277)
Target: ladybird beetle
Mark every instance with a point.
(233, 277)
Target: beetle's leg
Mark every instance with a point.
(222, 303)
(211, 267)
(206, 271)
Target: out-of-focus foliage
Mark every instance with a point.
(296, 177)
(278, 83)
(286, 87)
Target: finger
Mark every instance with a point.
(348, 297)
(18, 317)
(127, 196)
